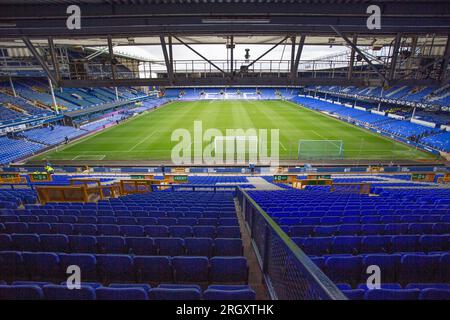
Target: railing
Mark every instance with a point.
(194, 187)
(288, 272)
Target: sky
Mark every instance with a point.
(218, 52)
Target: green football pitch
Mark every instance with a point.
(148, 136)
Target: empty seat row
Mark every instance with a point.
(395, 268)
(367, 229)
(161, 213)
(398, 294)
(126, 292)
(143, 221)
(125, 245)
(364, 219)
(121, 230)
(277, 212)
(108, 268)
(317, 246)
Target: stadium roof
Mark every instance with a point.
(43, 18)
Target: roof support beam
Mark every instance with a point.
(200, 55)
(443, 73)
(55, 63)
(293, 42)
(41, 61)
(170, 54)
(352, 58)
(232, 56)
(294, 72)
(397, 41)
(166, 58)
(354, 47)
(111, 58)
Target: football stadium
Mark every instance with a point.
(224, 150)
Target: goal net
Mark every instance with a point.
(320, 149)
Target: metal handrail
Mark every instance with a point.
(328, 288)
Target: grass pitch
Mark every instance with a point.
(148, 136)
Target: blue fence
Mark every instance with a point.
(288, 272)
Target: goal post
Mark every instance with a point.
(320, 149)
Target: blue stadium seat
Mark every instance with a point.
(41, 266)
(11, 266)
(86, 262)
(108, 230)
(228, 232)
(40, 227)
(111, 244)
(325, 231)
(420, 228)
(48, 219)
(421, 286)
(354, 294)
(317, 246)
(170, 246)
(190, 269)
(199, 246)
(204, 231)
(243, 294)
(126, 221)
(114, 268)
(228, 247)
(444, 268)
(419, 268)
(106, 220)
(26, 242)
(434, 294)
(5, 242)
(431, 243)
(156, 231)
(54, 242)
(372, 229)
(61, 292)
(16, 227)
(143, 286)
(141, 246)
(85, 229)
(180, 231)
(349, 229)
(388, 263)
(392, 294)
(404, 243)
(86, 220)
(29, 219)
(83, 244)
(375, 244)
(175, 294)
(301, 231)
(110, 293)
(228, 270)
(62, 228)
(167, 221)
(156, 269)
(345, 244)
(132, 231)
(383, 285)
(21, 292)
(344, 269)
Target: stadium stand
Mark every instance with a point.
(161, 245)
(404, 231)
